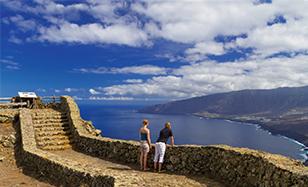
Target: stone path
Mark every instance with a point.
(131, 176)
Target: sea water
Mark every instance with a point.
(123, 122)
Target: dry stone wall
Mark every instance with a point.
(52, 167)
(8, 115)
(235, 166)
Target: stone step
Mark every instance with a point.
(52, 133)
(54, 142)
(65, 124)
(50, 121)
(56, 147)
(43, 112)
(49, 113)
(52, 128)
(48, 117)
(55, 137)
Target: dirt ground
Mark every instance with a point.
(10, 174)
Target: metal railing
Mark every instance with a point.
(5, 98)
(6, 102)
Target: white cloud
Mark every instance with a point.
(210, 77)
(206, 48)
(12, 67)
(77, 98)
(111, 29)
(23, 24)
(289, 37)
(143, 70)
(41, 90)
(200, 50)
(195, 22)
(111, 98)
(9, 64)
(104, 11)
(45, 7)
(198, 21)
(71, 89)
(133, 81)
(166, 86)
(170, 57)
(15, 39)
(93, 33)
(94, 92)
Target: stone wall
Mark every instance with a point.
(54, 168)
(235, 166)
(8, 115)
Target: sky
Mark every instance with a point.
(151, 51)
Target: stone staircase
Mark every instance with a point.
(52, 131)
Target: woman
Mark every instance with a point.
(145, 144)
(160, 146)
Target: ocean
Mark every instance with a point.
(123, 122)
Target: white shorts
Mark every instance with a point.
(160, 149)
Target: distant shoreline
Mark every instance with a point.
(264, 126)
(294, 136)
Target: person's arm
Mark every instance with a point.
(171, 137)
(149, 138)
(172, 141)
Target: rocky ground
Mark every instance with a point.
(10, 174)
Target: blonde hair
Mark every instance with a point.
(145, 122)
(168, 125)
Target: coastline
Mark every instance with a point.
(299, 139)
(293, 136)
(258, 124)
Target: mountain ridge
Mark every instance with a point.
(238, 102)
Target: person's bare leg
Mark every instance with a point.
(159, 167)
(145, 156)
(155, 166)
(141, 160)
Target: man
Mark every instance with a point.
(160, 146)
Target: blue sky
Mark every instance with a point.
(151, 51)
